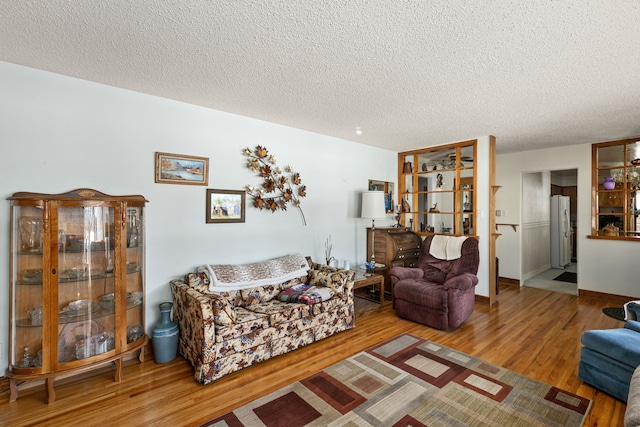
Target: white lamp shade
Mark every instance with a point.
(373, 205)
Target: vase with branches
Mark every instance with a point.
(328, 246)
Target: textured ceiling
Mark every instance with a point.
(410, 74)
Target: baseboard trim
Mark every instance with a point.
(508, 281)
(582, 293)
(601, 296)
(482, 299)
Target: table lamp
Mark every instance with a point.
(372, 208)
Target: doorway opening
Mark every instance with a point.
(549, 221)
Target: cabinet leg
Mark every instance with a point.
(141, 355)
(13, 387)
(50, 391)
(118, 375)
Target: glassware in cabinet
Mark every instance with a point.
(135, 280)
(27, 284)
(86, 282)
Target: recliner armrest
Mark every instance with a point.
(399, 273)
(463, 282)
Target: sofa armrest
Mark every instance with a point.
(634, 325)
(632, 414)
(399, 273)
(193, 312)
(462, 282)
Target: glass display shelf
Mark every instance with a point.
(70, 318)
(34, 277)
(94, 248)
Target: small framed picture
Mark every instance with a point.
(181, 169)
(225, 206)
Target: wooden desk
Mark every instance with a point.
(394, 247)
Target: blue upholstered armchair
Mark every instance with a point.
(609, 358)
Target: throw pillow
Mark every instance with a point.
(334, 280)
(305, 294)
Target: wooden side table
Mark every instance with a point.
(375, 279)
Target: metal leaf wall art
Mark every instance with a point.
(279, 188)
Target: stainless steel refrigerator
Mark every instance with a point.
(560, 232)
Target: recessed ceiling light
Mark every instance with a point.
(358, 130)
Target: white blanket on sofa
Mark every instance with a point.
(229, 277)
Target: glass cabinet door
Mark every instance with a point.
(135, 267)
(27, 289)
(86, 282)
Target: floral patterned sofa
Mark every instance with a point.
(223, 331)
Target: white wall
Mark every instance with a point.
(58, 134)
(607, 266)
(482, 171)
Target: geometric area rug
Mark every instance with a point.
(409, 381)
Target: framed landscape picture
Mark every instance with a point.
(225, 206)
(181, 169)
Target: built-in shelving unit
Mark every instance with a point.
(437, 189)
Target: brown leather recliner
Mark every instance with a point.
(439, 293)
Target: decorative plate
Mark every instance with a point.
(80, 308)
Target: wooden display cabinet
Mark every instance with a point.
(77, 284)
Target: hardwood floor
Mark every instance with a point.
(532, 331)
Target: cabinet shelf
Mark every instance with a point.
(440, 170)
(436, 191)
(23, 282)
(64, 319)
(514, 226)
(75, 250)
